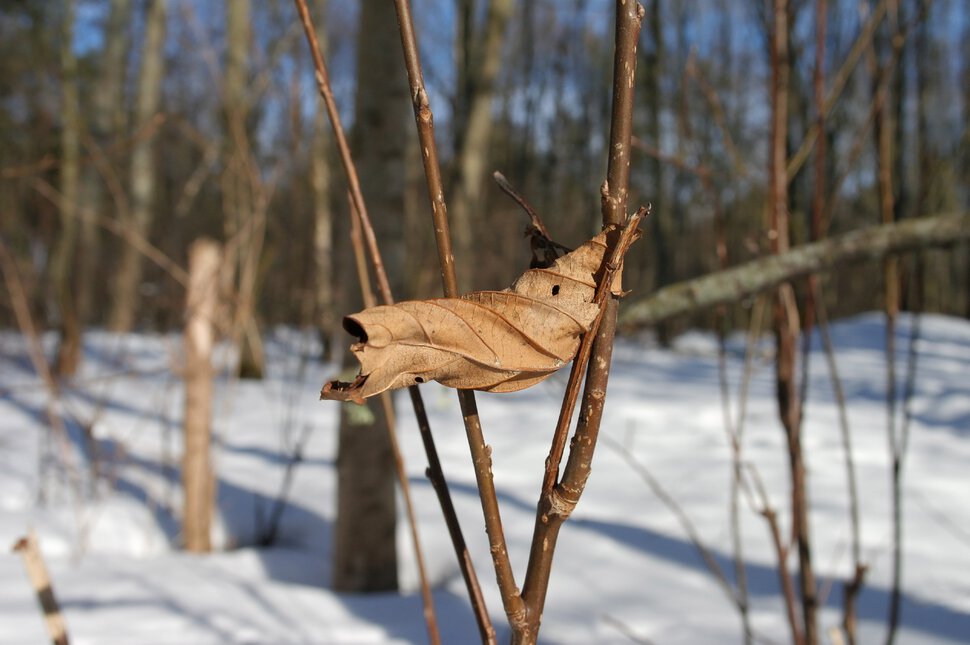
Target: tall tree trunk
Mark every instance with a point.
(240, 183)
(325, 316)
(108, 108)
(466, 203)
(62, 271)
(142, 172)
(365, 556)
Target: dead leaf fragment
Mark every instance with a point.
(497, 341)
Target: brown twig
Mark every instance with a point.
(717, 111)
(735, 432)
(786, 318)
(120, 229)
(508, 189)
(481, 453)
(781, 555)
(545, 250)
(51, 162)
(854, 585)
(680, 514)
(614, 262)
(839, 82)
(556, 501)
(360, 217)
(25, 321)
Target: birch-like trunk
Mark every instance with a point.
(198, 482)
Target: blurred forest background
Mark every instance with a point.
(129, 129)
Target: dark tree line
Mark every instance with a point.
(161, 123)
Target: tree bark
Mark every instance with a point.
(365, 557)
(473, 155)
(142, 172)
(65, 252)
(198, 482)
(108, 111)
(244, 210)
(757, 276)
(323, 276)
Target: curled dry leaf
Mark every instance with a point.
(497, 341)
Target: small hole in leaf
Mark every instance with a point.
(419, 379)
(555, 290)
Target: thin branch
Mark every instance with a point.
(557, 501)
(480, 451)
(360, 217)
(507, 188)
(683, 518)
(717, 110)
(781, 555)
(839, 82)
(122, 230)
(388, 404)
(629, 234)
(25, 321)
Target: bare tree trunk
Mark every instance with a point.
(365, 556)
(466, 203)
(322, 213)
(142, 173)
(244, 213)
(62, 271)
(885, 127)
(108, 107)
(108, 121)
(323, 275)
(198, 481)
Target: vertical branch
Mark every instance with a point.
(63, 263)
(815, 310)
(557, 501)
(435, 472)
(481, 452)
(884, 128)
(786, 312)
(854, 585)
(21, 309)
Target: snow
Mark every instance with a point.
(625, 570)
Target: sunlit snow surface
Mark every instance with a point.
(625, 570)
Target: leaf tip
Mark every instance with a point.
(343, 391)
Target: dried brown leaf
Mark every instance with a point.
(498, 341)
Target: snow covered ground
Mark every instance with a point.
(625, 570)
